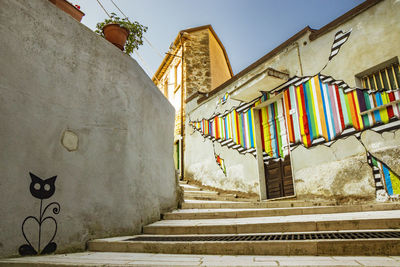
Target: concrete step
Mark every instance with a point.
(187, 187)
(379, 246)
(213, 196)
(217, 198)
(153, 259)
(200, 193)
(250, 203)
(186, 214)
(292, 223)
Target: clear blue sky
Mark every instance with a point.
(248, 28)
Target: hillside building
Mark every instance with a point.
(196, 63)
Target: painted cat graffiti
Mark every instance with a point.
(41, 189)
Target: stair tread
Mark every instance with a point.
(222, 210)
(201, 192)
(189, 186)
(366, 215)
(211, 201)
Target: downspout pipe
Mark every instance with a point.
(183, 89)
(299, 57)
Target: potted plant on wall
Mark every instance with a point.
(67, 7)
(123, 33)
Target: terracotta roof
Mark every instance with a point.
(177, 43)
(314, 35)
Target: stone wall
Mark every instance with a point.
(74, 106)
(197, 69)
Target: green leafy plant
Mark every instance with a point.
(136, 31)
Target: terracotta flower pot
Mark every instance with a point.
(69, 8)
(116, 35)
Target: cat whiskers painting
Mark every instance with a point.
(41, 189)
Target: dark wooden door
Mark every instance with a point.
(278, 178)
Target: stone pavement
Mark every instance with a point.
(150, 259)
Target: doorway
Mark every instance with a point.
(273, 150)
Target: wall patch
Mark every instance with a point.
(70, 140)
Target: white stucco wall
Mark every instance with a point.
(57, 75)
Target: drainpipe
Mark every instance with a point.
(298, 56)
(182, 109)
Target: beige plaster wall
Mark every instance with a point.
(218, 64)
(339, 172)
(200, 165)
(374, 39)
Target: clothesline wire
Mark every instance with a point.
(98, 1)
(144, 63)
(119, 9)
(157, 51)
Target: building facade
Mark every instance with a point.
(315, 118)
(196, 63)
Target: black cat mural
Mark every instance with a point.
(41, 189)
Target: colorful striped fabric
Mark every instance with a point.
(315, 109)
(239, 127)
(312, 110)
(273, 134)
(390, 179)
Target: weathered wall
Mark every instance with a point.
(197, 73)
(339, 172)
(57, 75)
(242, 172)
(218, 64)
(385, 146)
(373, 40)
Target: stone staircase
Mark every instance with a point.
(215, 223)
(219, 229)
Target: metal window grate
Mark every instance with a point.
(387, 78)
(271, 237)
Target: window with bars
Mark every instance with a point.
(386, 78)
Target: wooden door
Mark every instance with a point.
(278, 178)
(276, 150)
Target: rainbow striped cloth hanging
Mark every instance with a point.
(234, 126)
(315, 109)
(312, 109)
(273, 134)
